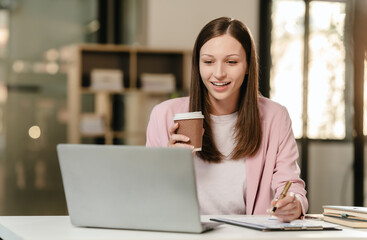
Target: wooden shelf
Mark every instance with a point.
(85, 90)
(124, 111)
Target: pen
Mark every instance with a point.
(282, 195)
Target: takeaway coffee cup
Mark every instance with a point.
(191, 125)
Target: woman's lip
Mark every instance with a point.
(220, 84)
(220, 87)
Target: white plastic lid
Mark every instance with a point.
(189, 115)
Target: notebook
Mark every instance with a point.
(131, 187)
(270, 223)
(351, 216)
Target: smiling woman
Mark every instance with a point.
(248, 151)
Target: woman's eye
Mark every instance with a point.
(232, 62)
(208, 61)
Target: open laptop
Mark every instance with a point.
(131, 187)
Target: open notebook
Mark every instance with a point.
(131, 187)
(269, 223)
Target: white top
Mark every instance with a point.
(222, 187)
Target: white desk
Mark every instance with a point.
(59, 227)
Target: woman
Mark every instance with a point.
(249, 151)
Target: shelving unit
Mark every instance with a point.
(124, 112)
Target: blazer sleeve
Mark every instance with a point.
(157, 134)
(161, 119)
(286, 167)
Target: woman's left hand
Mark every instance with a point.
(288, 208)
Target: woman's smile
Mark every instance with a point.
(220, 86)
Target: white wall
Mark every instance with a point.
(176, 23)
(330, 174)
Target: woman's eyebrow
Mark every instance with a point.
(233, 54)
(229, 55)
(205, 54)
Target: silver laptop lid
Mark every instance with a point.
(130, 187)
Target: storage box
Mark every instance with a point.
(107, 79)
(158, 83)
(92, 124)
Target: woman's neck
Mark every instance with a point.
(222, 107)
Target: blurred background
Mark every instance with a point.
(312, 55)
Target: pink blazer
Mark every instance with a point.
(267, 172)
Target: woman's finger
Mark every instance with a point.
(179, 138)
(183, 145)
(173, 128)
(289, 198)
(289, 209)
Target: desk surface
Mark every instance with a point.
(59, 227)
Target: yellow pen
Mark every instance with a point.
(282, 195)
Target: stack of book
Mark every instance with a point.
(92, 124)
(158, 83)
(107, 79)
(349, 216)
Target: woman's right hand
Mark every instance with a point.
(178, 140)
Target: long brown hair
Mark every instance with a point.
(248, 127)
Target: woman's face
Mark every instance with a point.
(223, 67)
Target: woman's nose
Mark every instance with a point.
(219, 72)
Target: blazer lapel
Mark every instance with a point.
(254, 171)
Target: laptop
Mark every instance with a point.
(131, 187)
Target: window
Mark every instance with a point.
(365, 98)
(310, 66)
